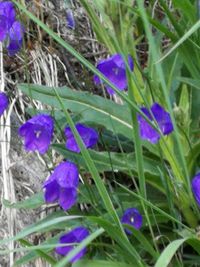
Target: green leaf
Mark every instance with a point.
(172, 248)
(32, 202)
(195, 83)
(40, 253)
(90, 108)
(185, 37)
(114, 234)
(187, 9)
(111, 161)
(113, 231)
(38, 227)
(192, 82)
(114, 117)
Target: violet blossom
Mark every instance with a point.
(61, 186)
(73, 237)
(147, 132)
(11, 30)
(88, 135)
(132, 217)
(114, 69)
(37, 133)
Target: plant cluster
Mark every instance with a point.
(139, 192)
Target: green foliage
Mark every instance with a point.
(125, 171)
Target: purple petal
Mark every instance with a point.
(196, 188)
(88, 135)
(51, 192)
(67, 197)
(81, 233)
(130, 62)
(8, 11)
(74, 236)
(3, 102)
(64, 250)
(16, 33)
(147, 132)
(96, 80)
(132, 217)
(49, 180)
(37, 133)
(14, 47)
(36, 137)
(66, 174)
(70, 19)
(3, 28)
(163, 119)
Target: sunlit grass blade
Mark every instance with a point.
(193, 29)
(38, 227)
(170, 251)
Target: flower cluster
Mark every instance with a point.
(11, 30)
(62, 185)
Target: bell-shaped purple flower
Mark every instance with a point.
(114, 69)
(70, 19)
(7, 18)
(3, 102)
(196, 187)
(88, 135)
(75, 236)
(147, 132)
(62, 185)
(16, 33)
(37, 133)
(11, 30)
(132, 217)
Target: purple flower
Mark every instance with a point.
(7, 18)
(11, 30)
(88, 135)
(70, 19)
(62, 185)
(132, 217)
(114, 69)
(162, 118)
(16, 33)
(3, 102)
(73, 237)
(37, 133)
(196, 187)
